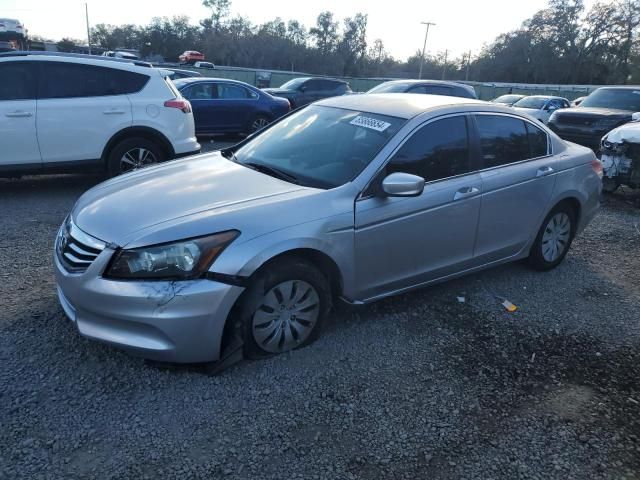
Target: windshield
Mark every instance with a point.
(293, 84)
(390, 87)
(531, 102)
(320, 147)
(618, 98)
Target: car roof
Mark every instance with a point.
(546, 97)
(402, 105)
(425, 82)
(76, 58)
(620, 87)
(184, 81)
(319, 78)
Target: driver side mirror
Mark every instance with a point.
(635, 117)
(402, 185)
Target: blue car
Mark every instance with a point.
(229, 106)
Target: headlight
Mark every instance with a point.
(182, 260)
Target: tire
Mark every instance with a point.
(133, 154)
(271, 323)
(258, 123)
(554, 238)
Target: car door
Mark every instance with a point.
(405, 241)
(208, 114)
(80, 108)
(18, 137)
(518, 177)
(240, 105)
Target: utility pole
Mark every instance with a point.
(444, 68)
(424, 46)
(86, 11)
(468, 65)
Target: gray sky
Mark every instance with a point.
(462, 25)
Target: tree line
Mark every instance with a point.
(562, 43)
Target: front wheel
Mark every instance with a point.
(284, 308)
(554, 238)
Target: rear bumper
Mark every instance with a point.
(178, 322)
(186, 147)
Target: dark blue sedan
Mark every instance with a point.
(228, 106)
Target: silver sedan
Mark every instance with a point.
(356, 197)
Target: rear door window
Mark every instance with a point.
(201, 91)
(17, 81)
(229, 91)
(503, 140)
(73, 80)
(438, 150)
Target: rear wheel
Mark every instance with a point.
(259, 123)
(133, 154)
(284, 308)
(554, 238)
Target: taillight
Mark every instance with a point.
(180, 104)
(597, 167)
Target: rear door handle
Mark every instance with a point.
(113, 111)
(544, 171)
(466, 193)
(18, 114)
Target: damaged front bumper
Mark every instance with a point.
(620, 156)
(178, 321)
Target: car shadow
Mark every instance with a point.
(43, 185)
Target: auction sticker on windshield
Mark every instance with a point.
(368, 122)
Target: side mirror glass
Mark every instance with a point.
(403, 185)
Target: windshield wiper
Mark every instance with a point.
(272, 171)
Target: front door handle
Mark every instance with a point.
(466, 193)
(18, 114)
(544, 171)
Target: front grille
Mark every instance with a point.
(576, 120)
(75, 249)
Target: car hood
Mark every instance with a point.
(627, 133)
(179, 199)
(279, 91)
(594, 112)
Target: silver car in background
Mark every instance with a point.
(356, 197)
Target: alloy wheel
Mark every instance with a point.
(286, 316)
(556, 237)
(259, 123)
(136, 158)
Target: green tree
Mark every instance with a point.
(66, 45)
(325, 33)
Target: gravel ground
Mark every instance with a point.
(416, 386)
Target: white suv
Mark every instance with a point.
(62, 112)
